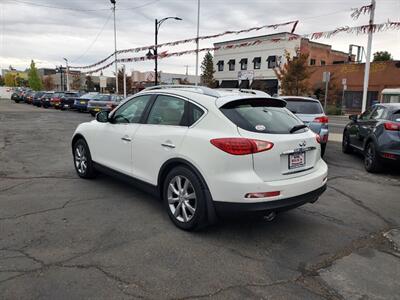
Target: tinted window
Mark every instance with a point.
(258, 117)
(367, 114)
(304, 107)
(167, 110)
(131, 111)
(396, 116)
(378, 113)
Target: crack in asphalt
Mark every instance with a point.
(382, 181)
(13, 186)
(38, 177)
(318, 214)
(359, 203)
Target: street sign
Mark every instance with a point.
(344, 87)
(344, 81)
(103, 81)
(326, 76)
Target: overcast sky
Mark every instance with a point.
(41, 30)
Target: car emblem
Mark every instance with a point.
(303, 144)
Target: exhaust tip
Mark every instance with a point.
(270, 216)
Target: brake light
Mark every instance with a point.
(392, 126)
(241, 146)
(318, 138)
(323, 119)
(262, 194)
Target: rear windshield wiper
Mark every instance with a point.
(297, 127)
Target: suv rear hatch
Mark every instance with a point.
(295, 150)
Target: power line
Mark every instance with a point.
(95, 39)
(78, 9)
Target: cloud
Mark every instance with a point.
(48, 34)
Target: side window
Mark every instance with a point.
(195, 113)
(167, 110)
(132, 111)
(367, 114)
(378, 113)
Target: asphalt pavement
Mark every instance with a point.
(62, 237)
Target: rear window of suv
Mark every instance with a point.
(304, 107)
(261, 115)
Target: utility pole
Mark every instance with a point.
(368, 58)
(187, 70)
(155, 53)
(124, 80)
(67, 73)
(115, 48)
(197, 43)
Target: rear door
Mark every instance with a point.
(160, 138)
(293, 154)
(358, 130)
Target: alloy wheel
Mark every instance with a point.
(80, 159)
(369, 156)
(182, 198)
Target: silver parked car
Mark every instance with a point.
(311, 112)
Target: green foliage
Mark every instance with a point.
(10, 79)
(333, 110)
(33, 77)
(382, 56)
(207, 67)
(294, 75)
(1, 80)
(89, 84)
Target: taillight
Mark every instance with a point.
(392, 126)
(262, 194)
(318, 138)
(241, 146)
(323, 119)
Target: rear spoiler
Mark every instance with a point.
(256, 102)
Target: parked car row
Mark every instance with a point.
(84, 102)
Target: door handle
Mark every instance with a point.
(126, 139)
(168, 145)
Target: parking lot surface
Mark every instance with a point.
(62, 237)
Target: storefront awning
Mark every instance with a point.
(229, 84)
(269, 86)
(244, 84)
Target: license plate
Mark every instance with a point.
(97, 109)
(297, 160)
(82, 102)
(66, 105)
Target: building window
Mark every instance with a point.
(220, 65)
(231, 64)
(338, 62)
(323, 63)
(312, 62)
(257, 63)
(271, 62)
(243, 64)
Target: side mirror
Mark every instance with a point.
(353, 118)
(102, 116)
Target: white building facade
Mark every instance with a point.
(253, 66)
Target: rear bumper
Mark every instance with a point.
(276, 205)
(80, 106)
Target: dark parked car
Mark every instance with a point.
(375, 134)
(311, 112)
(81, 103)
(55, 100)
(103, 102)
(68, 100)
(36, 98)
(45, 99)
(16, 96)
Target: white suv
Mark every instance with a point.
(206, 151)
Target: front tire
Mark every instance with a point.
(82, 160)
(346, 148)
(371, 160)
(184, 199)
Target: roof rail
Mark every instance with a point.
(193, 88)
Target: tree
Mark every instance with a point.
(293, 75)
(1, 80)
(10, 79)
(382, 56)
(121, 82)
(33, 77)
(48, 83)
(89, 84)
(207, 67)
(76, 83)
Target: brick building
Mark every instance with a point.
(382, 75)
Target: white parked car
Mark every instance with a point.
(205, 151)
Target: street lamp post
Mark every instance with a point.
(157, 24)
(113, 2)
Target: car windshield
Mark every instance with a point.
(260, 117)
(102, 97)
(39, 94)
(58, 94)
(88, 96)
(71, 94)
(304, 107)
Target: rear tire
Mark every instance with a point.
(83, 160)
(185, 199)
(371, 159)
(346, 148)
(323, 148)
